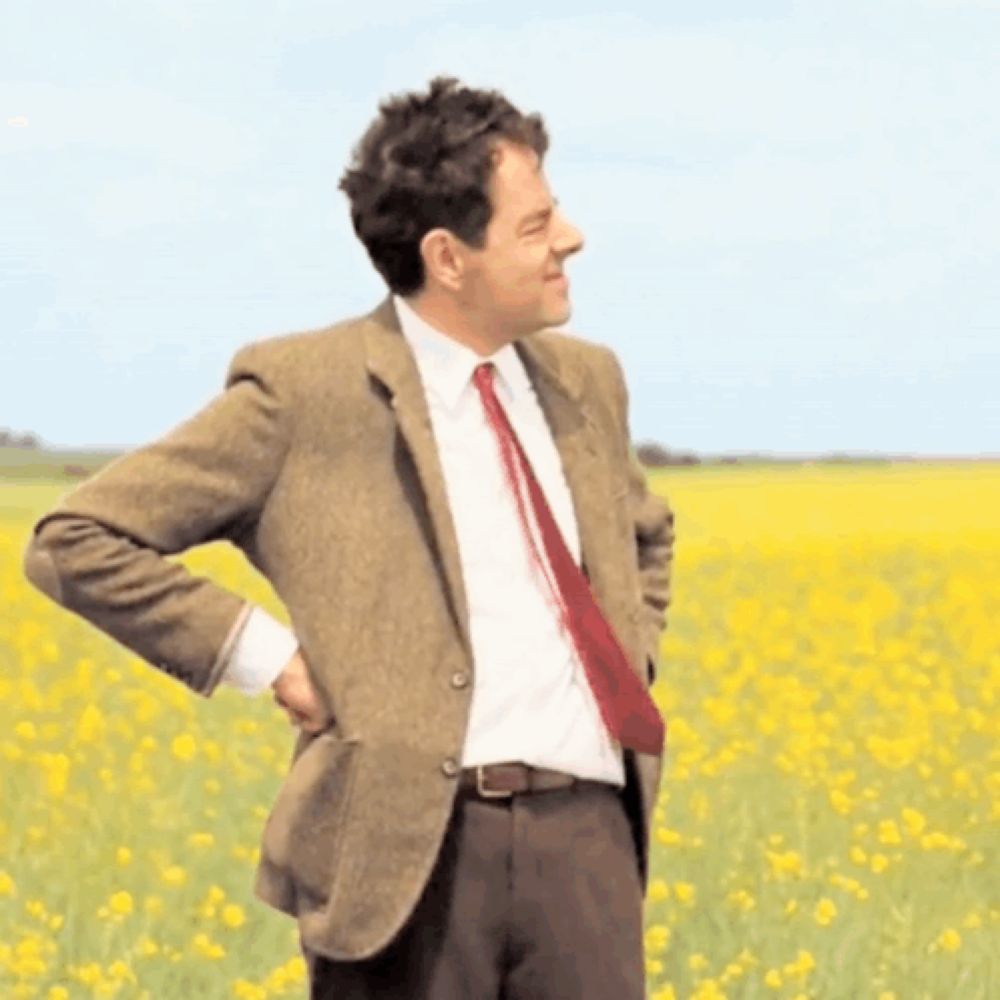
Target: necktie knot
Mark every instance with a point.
(482, 375)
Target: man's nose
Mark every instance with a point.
(571, 238)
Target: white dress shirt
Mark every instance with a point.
(531, 700)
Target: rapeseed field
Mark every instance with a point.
(828, 819)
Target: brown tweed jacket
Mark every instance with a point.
(319, 462)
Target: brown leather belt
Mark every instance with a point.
(501, 781)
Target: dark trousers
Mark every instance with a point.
(531, 898)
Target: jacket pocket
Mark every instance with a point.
(303, 831)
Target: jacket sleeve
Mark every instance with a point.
(101, 551)
(654, 532)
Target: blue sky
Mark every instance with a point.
(791, 210)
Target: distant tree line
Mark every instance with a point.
(651, 454)
(656, 455)
(10, 439)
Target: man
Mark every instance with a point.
(443, 494)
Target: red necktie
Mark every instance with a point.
(625, 704)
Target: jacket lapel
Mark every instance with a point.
(558, 377)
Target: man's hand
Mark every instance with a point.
(294, 692)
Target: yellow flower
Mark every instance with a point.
(121, 902)
(913, 820)
(840, 801)
(658, 890)
(888, 832)
(708, 989)
(91, 726)
(123, 856)
(697, 962)
(120, 971)
(785, 863)
(56, 774)
(825, 911)
(773, 979)
(242, 989)
(7, 885)
(183, 746)
(89, 973)
(174, 875)
(804, 961)
(879, 863)
(733, 970)
(295, 969)
(656, 938)
(684, 891)
(146, 946)
(233, 915)
(206, 947)
(742, 900)
(949, 939)
(25, 730)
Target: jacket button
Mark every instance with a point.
(459, 679)
(450, 767)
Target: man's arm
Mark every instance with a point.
(654, 532)
(100, 552)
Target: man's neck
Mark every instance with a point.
(447, 320)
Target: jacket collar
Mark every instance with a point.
(560, 378)
(390, 357)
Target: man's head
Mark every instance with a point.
(449, 197)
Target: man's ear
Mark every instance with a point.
(441, 260)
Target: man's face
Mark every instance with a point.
(508, 284)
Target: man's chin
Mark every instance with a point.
(557, 317)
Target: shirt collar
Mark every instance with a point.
(446, 366)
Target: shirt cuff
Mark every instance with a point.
(262, 650)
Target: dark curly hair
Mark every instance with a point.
(425, 162)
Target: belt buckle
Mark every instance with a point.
(501, 793)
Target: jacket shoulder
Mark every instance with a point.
(286, 358)
(594, 355)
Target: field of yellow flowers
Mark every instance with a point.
(828, 820)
